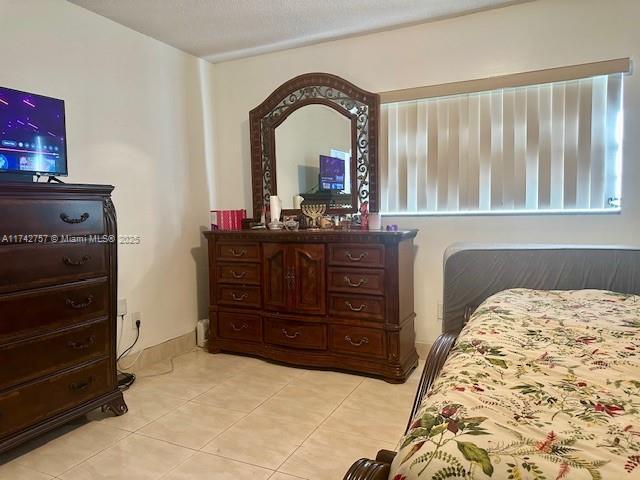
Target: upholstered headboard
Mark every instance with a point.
(473, 272)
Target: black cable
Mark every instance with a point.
(134, 342)
(126, 379)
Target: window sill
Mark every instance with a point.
(506, 213)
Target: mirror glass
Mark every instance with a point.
(313, 157)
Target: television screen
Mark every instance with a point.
(331, 173)
(32, 134)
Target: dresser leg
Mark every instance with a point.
(117, 406)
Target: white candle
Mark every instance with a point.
(276, 208)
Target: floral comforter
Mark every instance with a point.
(540, 385)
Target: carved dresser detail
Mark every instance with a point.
(336, 299)
(57, 307)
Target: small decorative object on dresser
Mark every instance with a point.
(227, 219)
(364, 215)
(57, 307)
(314, 212)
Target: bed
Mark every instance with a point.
(537, 374)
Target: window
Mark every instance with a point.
(544, 147)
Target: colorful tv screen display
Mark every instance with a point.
(32, 134)
(331, 173)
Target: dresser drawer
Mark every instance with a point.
(360, 255)
(27, 405)
(295, 334)
(239, 296)
(352, 280)
(238, 273)
(53, 307)
(357, 306)
(238, 252)
(357, 340)
(37, 265)
(42, 355)
(51, 217)
(240, 326)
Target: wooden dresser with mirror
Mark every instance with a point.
(340, 299)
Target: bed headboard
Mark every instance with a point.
(473, 272)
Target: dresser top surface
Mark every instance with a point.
(311, 235)
(41, 188)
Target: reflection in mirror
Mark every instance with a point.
(313, 157)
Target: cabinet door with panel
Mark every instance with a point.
(294, 278)
(276, 276)
(308, 269)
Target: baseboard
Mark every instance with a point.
(185, 343)
(158, 353)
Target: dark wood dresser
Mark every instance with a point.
(336, 299)
(57, 306)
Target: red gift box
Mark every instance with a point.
(227, 219)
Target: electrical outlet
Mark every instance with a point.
(135, 316)
(122, 307)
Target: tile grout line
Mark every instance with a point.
(245, 415)
(240, 419)
(224, 458)
(289, 382)
(20, 464)
(211, 439)
(164, 475)
(363, 436)
(97, 453)
(200, 450)
(316, 429)
(288, 474)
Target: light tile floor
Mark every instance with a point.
(220, 417)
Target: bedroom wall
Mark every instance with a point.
(529, 36)
(136, 112)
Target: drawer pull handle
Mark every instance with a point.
(76, 263)
(82, 345)
(355, 309)
(361, 282)
(237, 253)
(362, 341)
(67, 219)
(288, 335)
(79, 386)
(241, 327)
(238, 275)
(239, 298)
(79, 305)
(356, 259)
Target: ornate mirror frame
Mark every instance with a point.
(362, 107)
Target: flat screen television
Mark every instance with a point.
(331, 173)
(32, 134)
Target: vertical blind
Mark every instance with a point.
(553, 146)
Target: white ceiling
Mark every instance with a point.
(219, 30)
